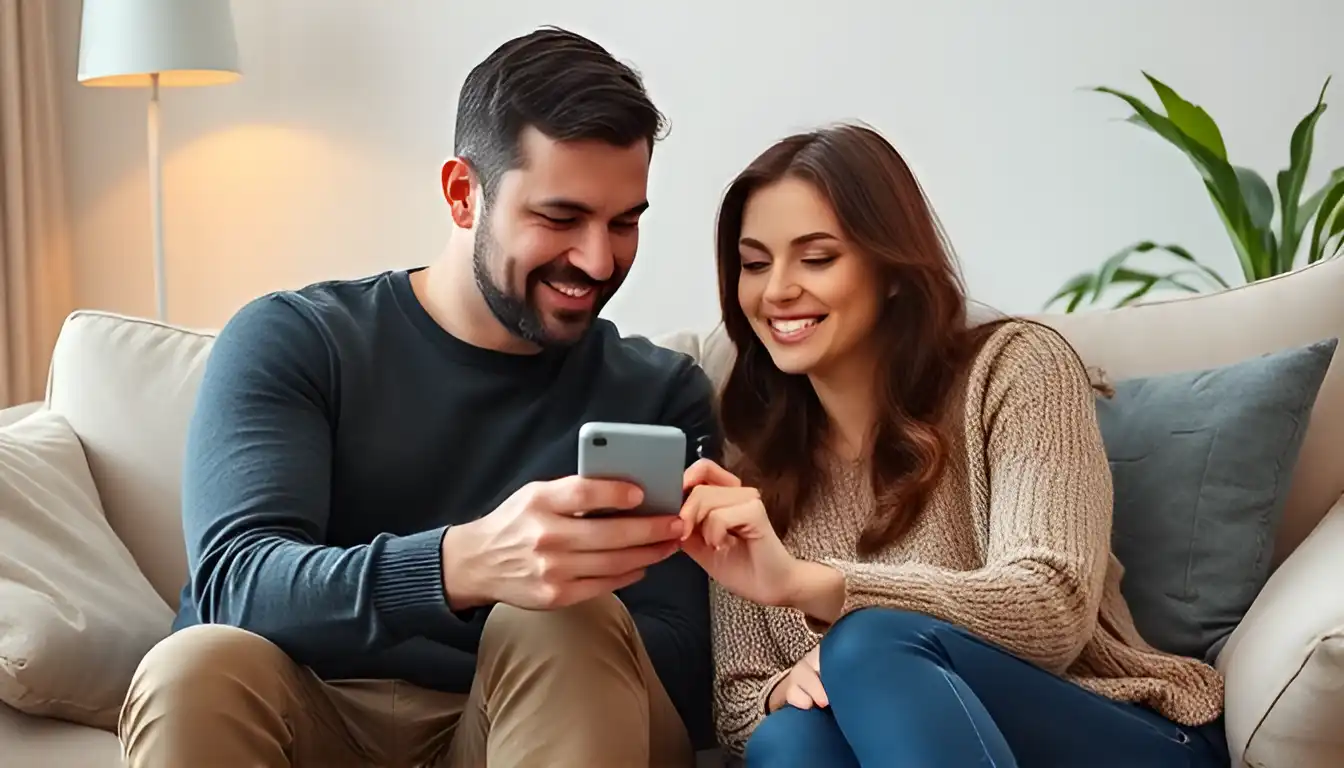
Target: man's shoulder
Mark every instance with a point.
(317, 310)
(672, 381)
(639, 357)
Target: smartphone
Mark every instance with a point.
(648, 455)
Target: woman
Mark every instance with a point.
(911, 547)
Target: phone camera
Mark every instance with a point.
(600, 442)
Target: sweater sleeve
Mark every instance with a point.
(747, 665)
(256, 497)
(1047, 489)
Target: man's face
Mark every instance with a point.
(560, 235)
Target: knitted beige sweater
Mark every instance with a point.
(1014, 545)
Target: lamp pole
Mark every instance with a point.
(156, 198)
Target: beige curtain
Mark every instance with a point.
(35, 263)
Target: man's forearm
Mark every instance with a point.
(317, 601)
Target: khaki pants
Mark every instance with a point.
(572, 687)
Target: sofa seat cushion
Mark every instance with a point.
(41, 742)
(76, 614)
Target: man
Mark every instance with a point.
(389, 563)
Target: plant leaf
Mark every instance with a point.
(1243, 245)
(1075, 301)
(1219, 179)
(1259, 201)
(1331, 207)
(1139, 121)
(1294, 214)
(1311, 204)
(1146, 281)
(1138, 293)
(1107, 270)
(1089, 286)
(1208, 272)
(1076, 287)
(1336, 229)
(1191, 119)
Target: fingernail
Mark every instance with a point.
(677, 527)
(635, 495)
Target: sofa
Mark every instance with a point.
(125, 386)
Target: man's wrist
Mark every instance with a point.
(459, 588)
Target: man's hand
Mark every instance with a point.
(802, 686)
(537, 551)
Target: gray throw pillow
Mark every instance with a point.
(1201, 463)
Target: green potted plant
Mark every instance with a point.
(1265, 244)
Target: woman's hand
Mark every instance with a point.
(729, 534)
(802, 686)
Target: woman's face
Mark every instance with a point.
(811, 298)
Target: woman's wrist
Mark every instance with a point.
(775, 697)
(817, 590)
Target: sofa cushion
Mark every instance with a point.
(76, 614)
(1284, 664)
(41, 742)
(1201, 462)
(1212, 330)
(128, 386)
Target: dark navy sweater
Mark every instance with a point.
(339, 430)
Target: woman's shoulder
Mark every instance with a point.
(1028, 353)
(1017, 341)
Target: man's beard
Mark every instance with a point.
(518, 314)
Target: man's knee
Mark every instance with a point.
(593, 643)
(201, 667)
(598, 625)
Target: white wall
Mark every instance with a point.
(323, 161)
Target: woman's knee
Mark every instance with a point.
(855, 639)
(792, 736)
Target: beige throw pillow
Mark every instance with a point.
(76, 615)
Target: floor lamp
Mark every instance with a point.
(157, 44)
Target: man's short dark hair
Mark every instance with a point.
(561, 83)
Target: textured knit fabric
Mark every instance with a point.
(1013, 545)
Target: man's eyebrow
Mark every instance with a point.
(574, 206)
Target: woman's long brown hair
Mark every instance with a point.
(774, 420)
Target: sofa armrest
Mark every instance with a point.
(14, 413)
(1284, 664)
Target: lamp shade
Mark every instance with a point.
(185, 42)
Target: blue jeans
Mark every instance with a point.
(908, 690)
